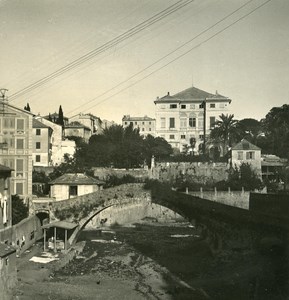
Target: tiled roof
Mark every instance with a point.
(190, 94)
(245, 145)
(76, 179)
(129, 118)
(38, 124)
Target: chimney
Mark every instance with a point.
(217, 92)
(168, 93)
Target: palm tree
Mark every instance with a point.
(225, 131)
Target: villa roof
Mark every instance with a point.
(245, 145)
(192, 94)
(76, 179)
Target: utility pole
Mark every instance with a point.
(2, 94)
(205, 113)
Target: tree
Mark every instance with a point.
(27, 107)
(157, 147)
(117, 146)
(225, 131)
(276, 131)
(19, 210)
(60, 119)
(250, 129)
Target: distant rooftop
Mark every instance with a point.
(129, 118)
(76, 179)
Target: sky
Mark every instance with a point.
(245, 58)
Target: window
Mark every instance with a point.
(163, 106)
(201, 105)
(143, 123)
(73, 190)
(172, 136)
(212, 105)
(20, 144)
(20, 124)
(192, 106)
(163, 122)
(222, 105)
(240, 155)
(135, 123)
(125, 123)
(9, 123)
(150, 129)
(150, 123)
(19, 188)
(183, 136)
(212, 122)
(131, 123)
(37, 158)
(19, 167)
(172, 122)
(192, 122)
(183, 123)
(38, 131)
(201, 136)
(142, 129)
(38, 145)
(173, 105)
(183, 106)
(250, 155)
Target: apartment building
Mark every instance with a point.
(16, 146)
(58, 145)
(146, 125)
(42, 146)
(188, 115)
(88, 120)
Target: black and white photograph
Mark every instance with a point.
(144, 150)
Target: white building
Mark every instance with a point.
(146, 125)
(180, 118)
(246, 152)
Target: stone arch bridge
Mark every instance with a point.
(223, 226)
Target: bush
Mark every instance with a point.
(113, 180)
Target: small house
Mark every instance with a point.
(72, 185)
(246, 152)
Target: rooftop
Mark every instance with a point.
(245, 145)
(129, 118)
(76, 179)
(38, 124)
(190, 94)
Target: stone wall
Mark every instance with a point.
(200, 172)
(232, 198)
(24, 234)
(104, 173)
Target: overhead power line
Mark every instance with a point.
(90, 55)
(167, 55)
(183, 54)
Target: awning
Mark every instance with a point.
(61, 224)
